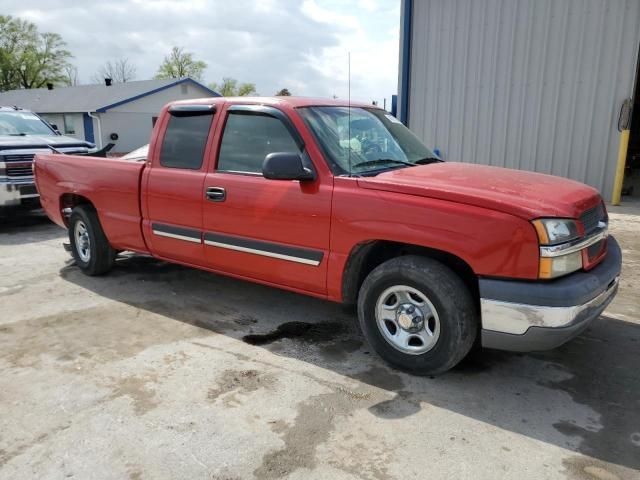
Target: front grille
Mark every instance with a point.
(591, 218)
(595, 250)
(19, 170)
(23, 157)
(19, 166)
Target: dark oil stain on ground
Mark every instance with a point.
(311, 332)
(313, 425)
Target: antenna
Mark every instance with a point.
(349, 107)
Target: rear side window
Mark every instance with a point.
(248, 138)
(184, 141)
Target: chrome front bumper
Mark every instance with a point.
(12, 193)
(529, 316)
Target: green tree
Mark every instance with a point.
(28, 58)
(229, 87)
(283, 93)
(180, 64)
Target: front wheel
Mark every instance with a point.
(417, 314)
(89, 245)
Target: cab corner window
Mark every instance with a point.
(184, 141)
(248, 138)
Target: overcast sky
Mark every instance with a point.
(299, 45)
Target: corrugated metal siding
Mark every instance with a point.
(529, 84)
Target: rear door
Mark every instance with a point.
(173, 185)
(271, 230)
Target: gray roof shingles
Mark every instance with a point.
(83, 98)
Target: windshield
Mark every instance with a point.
(364, 141)
(22, 123)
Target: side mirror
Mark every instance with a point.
(55, 128)
(286, 166)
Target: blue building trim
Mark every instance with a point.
(405, 59)
(87, 122)
(151, 92)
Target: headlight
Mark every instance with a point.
(553, 267)
(557, 231)
(552, 231)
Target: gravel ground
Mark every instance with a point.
(158, 371)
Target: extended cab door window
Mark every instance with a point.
(184, 141)
(249, 137)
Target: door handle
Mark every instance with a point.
(216, 194)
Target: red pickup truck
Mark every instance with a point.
(343, 202)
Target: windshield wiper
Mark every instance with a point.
(370, 163)
(21, 134)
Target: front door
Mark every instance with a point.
(273, 231)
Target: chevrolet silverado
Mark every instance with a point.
(22, 135)
(341, 201)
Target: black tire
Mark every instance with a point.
(101, 256)
(457, 316)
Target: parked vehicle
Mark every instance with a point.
(345, 203)
(22, 135)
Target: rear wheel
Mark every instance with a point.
(89, 245)
(417, 314)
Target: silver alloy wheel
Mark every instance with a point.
(83, 242)
(407, 319)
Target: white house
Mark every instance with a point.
(120, 113)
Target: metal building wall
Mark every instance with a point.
(528, 84)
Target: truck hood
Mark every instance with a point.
(41, 141)
(524, 194)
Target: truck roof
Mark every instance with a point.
(292, 102)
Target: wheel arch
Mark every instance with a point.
(366, 256)
(70, 201)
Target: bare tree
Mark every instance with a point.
(120, 70)
(71, 76)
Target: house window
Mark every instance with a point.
(69, 124)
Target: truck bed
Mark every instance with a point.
(112, 185)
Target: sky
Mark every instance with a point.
(300, 45)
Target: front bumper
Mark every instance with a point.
(17, 192)
(529, 316)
